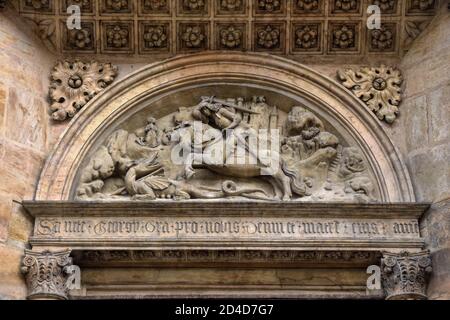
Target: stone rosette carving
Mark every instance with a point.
(344, 37)
(194, 5)
(383, 39)
(75, 83)
(308, 164)
(405, 275)
(422, 5)
(307, 5)
(155, 5)
(81, 39)
(231, 37)
(269, 6)
(268, 37)
(379, 88)
(155, 36)
(307, 36)
(345, 6)
(117, 36)
(386, 6)
(116, 5)
(49, 275)
(85, 5)
(193, 36)
(231, 5)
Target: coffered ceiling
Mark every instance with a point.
(155, 28)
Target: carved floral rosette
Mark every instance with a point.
(75, 83)
(405, 275)
(47, 274)
(379, 88)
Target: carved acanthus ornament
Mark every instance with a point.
(75, 83)
(379, 88)
(49, 275)
(405, 274)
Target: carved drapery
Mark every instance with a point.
(49, 275)
(405, 274)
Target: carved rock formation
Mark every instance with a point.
(228, 148)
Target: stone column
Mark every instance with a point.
(405, 275)
(49, 275)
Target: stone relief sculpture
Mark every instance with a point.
(228, 148)
(75, 83)
(379, 88)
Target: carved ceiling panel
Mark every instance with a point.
(285, 27)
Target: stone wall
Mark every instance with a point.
(24, 140)
(423, 134)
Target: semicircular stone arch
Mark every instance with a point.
(159, 90)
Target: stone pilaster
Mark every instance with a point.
(49, 275)
(405, 275)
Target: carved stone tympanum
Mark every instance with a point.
(228, 148)
(75, 83)
(405, 274)
(379, 88)
(49, 275)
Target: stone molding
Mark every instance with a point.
(193, 225)
(405, 275)
(48, 274)
(58, 178)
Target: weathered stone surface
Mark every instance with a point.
(12, 285)
(415, 123)
(439, 114)
(431, 172)
(3, 92)
(439, 286)
(25, 65)
(5, 213)
(26, 120)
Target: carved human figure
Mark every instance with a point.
(215, 135)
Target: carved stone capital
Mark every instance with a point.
(405, 275)
(48, 274)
